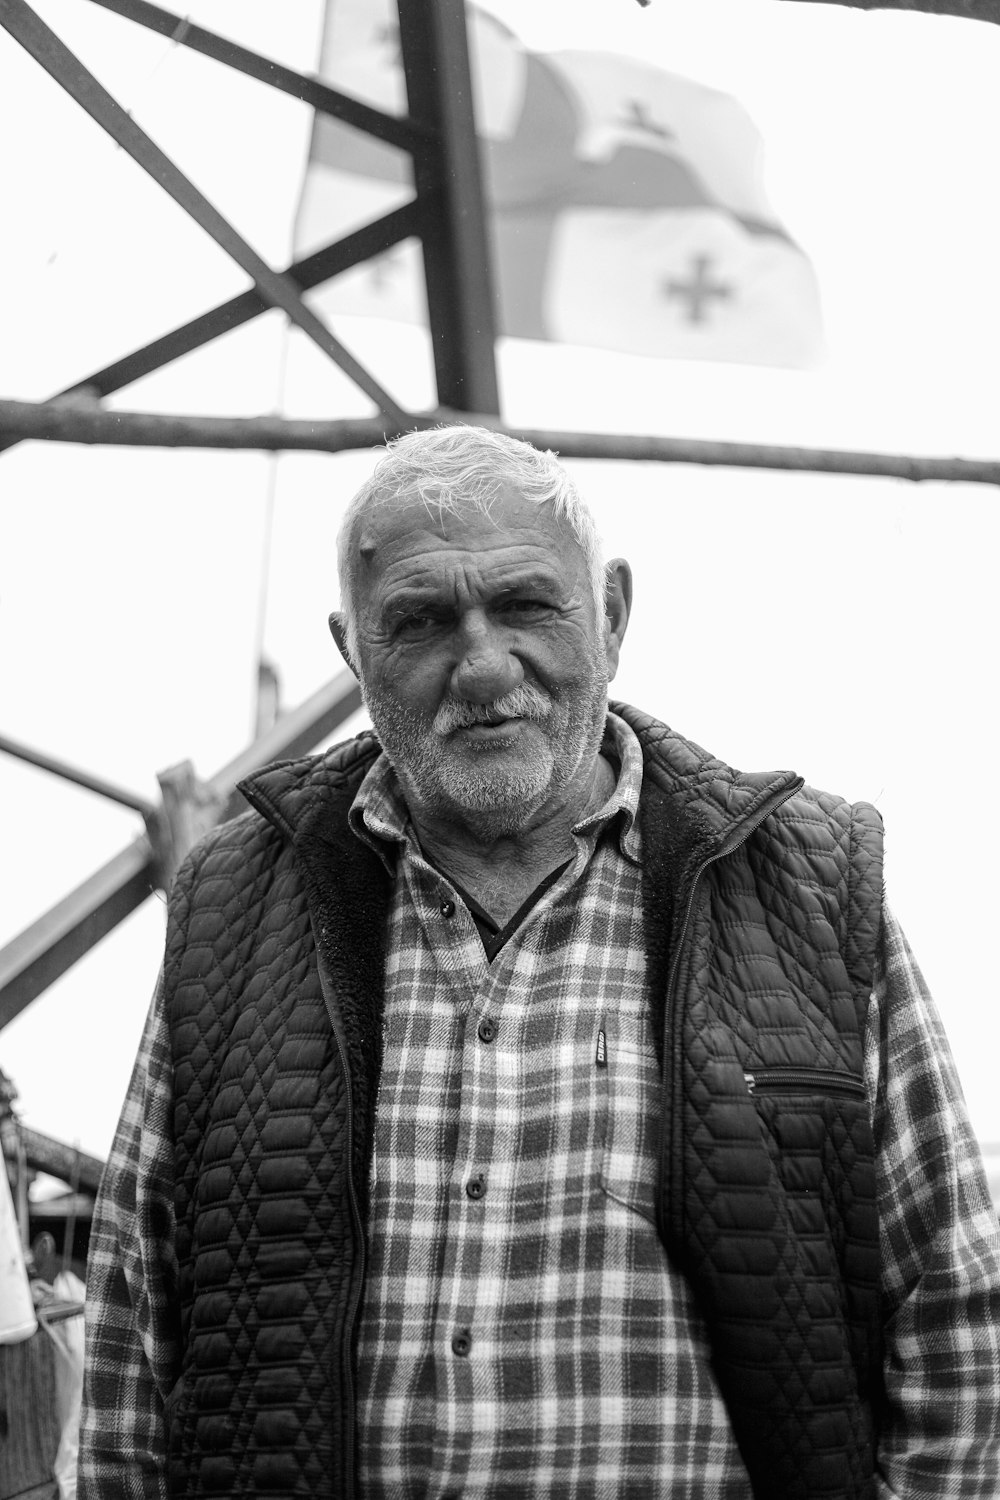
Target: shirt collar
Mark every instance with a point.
(621, 747)
(380, 817)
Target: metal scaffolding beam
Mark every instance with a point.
(86, 779)
(972, 10)
(43, 952)
(67, 423)
(457, 257)
(67, 70)
(372, 239)
(396, 130)
(448, 213)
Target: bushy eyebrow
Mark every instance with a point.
(401, 605)
(543, 582)
(417, 596)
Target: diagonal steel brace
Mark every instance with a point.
(278, 289)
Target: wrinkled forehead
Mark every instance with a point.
(434, 531)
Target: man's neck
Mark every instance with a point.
(501, 869)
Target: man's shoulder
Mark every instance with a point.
(697, 806)
(285, 799)
(337, 771)
(683, 760)
(681, 774)
(293, 794)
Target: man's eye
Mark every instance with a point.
(414, 625)
(525, 609)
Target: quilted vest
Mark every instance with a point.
(761, 908)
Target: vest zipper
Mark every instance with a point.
(788, 1080)
(670, 1100)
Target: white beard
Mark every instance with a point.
(497, 788)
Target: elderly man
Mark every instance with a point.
(531, 1104)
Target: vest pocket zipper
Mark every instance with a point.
(786, 1080)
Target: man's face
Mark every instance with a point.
(483, 660)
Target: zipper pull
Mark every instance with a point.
(751, 1082)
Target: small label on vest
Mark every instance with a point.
(601, 1056)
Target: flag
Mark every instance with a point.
(625, 203)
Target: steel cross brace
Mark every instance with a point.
(45, 950)
(311, 271)
(447, 212)
(278, 289)
(408, 134)
(73, 773)
(440, 136)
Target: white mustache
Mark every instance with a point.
(523, 702)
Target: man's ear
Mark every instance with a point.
(339, 632)
(617, 607)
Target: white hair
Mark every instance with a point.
(459, 469)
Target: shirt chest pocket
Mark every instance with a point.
(629, 1098)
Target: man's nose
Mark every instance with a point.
(485, 669)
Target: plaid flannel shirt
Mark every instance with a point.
(522, 1331)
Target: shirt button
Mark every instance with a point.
(475, 1188)
(447, 908)
(487, 1029)
(461, 1343)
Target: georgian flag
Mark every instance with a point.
(625, 203)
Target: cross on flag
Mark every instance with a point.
(699, 291)
(625, 203)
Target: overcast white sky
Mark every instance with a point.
(843, 627)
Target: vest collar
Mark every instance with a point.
(703, 806)
(309, 798)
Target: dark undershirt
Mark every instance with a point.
(494, 936)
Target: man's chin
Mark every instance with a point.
(500, 778)
(496, 776)
(490, 786)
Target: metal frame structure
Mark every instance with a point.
(45, 950)
(446, 213)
